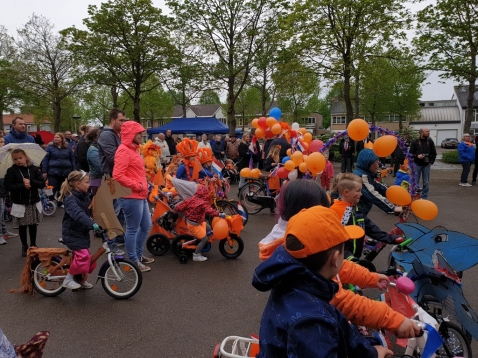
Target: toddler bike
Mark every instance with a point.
(120, 278)
(48, 206)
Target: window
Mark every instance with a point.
(475, 115)
(29, 128)
(338, 120)
(308, 120)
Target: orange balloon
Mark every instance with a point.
(245, 173)
(255, 123)
(358, 129)
(221, 229)
(297, 157)
(270, 121)
(302, 167)
(260, 133)
(302, 130)
(288, 152)
(276, 128)
(289, 165)
(307, 137)
(315, 162)
(384, 146)
(398, 195)
(255, 173)
(424, 209)
(354, 231)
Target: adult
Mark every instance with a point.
(81, 152)
(244, 156)
(475, 171)
(397, 159)
(373, 192)
(93, 159)
(18, 132)
(284, 145)
(58, 163)
(218, 148)
(69, 140)
(424, 154)
(171, 142)
(466, 155)
(204, 143)
(165, 154)
(130, 172)
(232, 149)
(38, 139)
(346, 150)
(361, 144)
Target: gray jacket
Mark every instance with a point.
(108, 143)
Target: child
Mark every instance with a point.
(3, 193)
(273, 159)
(186, 171)
(23, 181)
(403, 175)
(196, 208)
(350, 189)
(328, 173)
(298, 320)
(205, 158)
(76, 227)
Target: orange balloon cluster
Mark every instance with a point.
(265, 125)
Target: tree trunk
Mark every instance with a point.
(114, 96)
(347, 99)
(56, 115)
(136, 105)
(469, 105)
(263, 93)
(357, 99)
(1, 120)
(400, 123)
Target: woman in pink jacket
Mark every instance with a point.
(129, 171)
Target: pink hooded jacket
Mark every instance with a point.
(129, 168)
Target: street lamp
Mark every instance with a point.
(75, 118)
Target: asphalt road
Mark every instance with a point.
(181, 310)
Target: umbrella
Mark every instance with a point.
(33, 151)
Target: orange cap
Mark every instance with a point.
(204, 155)
(318, 229)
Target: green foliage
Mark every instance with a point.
(248, 104)
(209, 97)
(451, 157)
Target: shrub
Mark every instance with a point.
(451, 157)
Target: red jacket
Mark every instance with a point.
(197, 207)
(129, 168)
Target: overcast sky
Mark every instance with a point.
(65, 13)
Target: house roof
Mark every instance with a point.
(461, 93)
(28, 118)
(338, 107)
(201, 110)
(439, 114)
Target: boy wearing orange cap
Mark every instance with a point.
(298, 320)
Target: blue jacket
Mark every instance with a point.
(217, 148)
(18, 137)
(58, 161)
(373, 192)
(94, 163)
(402, 176)
(298, 320)
(466, 153)
(77, 222)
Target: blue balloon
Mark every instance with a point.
(285, 159)
(276, 113)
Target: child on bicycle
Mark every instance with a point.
(76, 227)
(349, 212)
(23, 180)
(298, 320)
(403, 175)
(196, 208)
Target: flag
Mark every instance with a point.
(434, 341)
(300, 147)
(241, 211)
(217, 167)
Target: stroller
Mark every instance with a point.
(230, 171)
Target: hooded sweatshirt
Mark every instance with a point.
(298, 320)
(197, 207)
(129, 168)
(373, 193)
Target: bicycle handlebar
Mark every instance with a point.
(405, 243)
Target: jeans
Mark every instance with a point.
(425, 173)
(138, 224)
(120, 214)
(466, 170)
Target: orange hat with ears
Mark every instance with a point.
(404, 166)
(204, 155)
(187, 147)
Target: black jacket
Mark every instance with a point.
(77, 222)
(423, 146)
(14, 184)
(349, 153)
(171, 145)
(81, 155)
(284, 145)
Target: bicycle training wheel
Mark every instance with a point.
(248, 191)
(49, 208)
(233, 250)
(177, 245)
(44, 285)
(126, 284)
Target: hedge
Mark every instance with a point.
(451, 157)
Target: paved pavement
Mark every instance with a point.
(181, 310)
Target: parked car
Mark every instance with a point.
(450, 143)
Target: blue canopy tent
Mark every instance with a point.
(197, 125)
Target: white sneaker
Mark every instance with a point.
(2, 240)
(71, 284)
(9, 234)
(465, 184)
(86, 285)
(461, 184)
(199, 257)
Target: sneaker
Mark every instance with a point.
(2, 241)
(461, 184)
(71, 284)
(9, 234)
(143, 268)
(146, 260)
(116, 251)
(465, 184)
(199, 257)
(86, 285)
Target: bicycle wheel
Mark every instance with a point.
(233, 250)
(44, 285)
(157, 244)
(250, 190)
(126, 284)
(49, 207)
(177, 245)
(455, 343)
